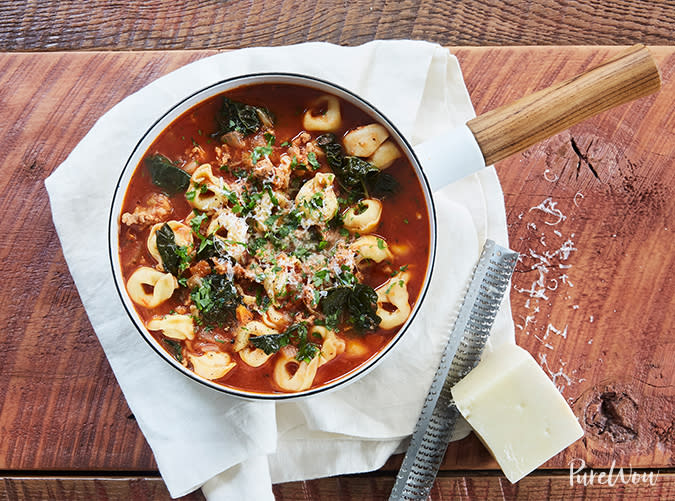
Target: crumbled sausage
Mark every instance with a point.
(200, 269)
(279, 175)
(301, 146)
(156, 209)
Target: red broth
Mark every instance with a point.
(189, 143)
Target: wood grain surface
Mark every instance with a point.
(212, 24)
(591, 211)
(374, 487)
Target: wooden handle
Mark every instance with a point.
(512, 128)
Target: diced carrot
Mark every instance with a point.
(243, 315)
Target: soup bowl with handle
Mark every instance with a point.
(482, 141)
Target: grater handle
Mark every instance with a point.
(469, 334)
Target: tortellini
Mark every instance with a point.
(331, 346)
(385, 155)
(371, 247)
(364, 216)
(355, 348)
(212, 364)
(395, 292)
(182, 234)
(323, 115)
(206, 191)
(275, 319)
(174, 326)
(236, 233)
(252, 328)
(364, 140)
(162, 285)
(264, 208)
(253, 357)
(317, 199)
(291, 375)
(278, 279)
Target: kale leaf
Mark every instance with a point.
(296, 333)
(383, 185)
(176, 349)
(356, 176)
(270, 343)
(240, 117)
(358, 303)
(216, 299)
(175, 258)
(355, 171)
(332, 149)
(211, 247)
(166, 175)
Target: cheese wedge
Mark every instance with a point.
(516, 411)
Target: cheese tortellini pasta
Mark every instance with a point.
(393, 292)
(206, 192)
(323, 115)
(212, 364)
(290, 374)
(317, 199)
(385, 155)
(173, 326)
(364, 216)
(371, 247)
(365, 140)
(149, 287)
(182, 234)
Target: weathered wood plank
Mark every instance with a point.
(82, 488)
(608, 322)
(181, 24)
(477, 487)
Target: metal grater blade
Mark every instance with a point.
(462, 353)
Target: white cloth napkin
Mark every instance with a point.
(235, 449)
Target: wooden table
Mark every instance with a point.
(592, 298)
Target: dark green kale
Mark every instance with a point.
(357, 177)
(383, 185)
(166, 175)
(356, 303)
(240, 117)
(296, 333)
(212, 247)
(175, 258)
(354, 173)
(307, 351)
(176, 349)
(332, 149)
(216, 299)
(270, 343)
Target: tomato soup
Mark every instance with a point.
(274, 238)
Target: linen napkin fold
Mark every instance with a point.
(240, 448)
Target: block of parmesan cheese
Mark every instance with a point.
(516, 410)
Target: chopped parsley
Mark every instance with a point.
(313, 162)
(263, 151)
(216, 299)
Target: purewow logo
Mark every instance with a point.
(580, 475)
